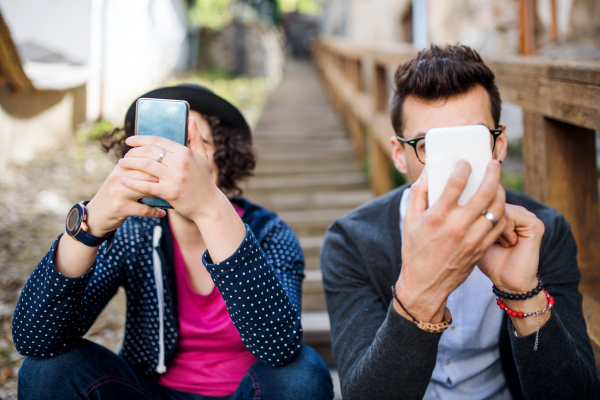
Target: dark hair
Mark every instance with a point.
(233, 157)
(441, 73)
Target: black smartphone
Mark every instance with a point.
(164, 118)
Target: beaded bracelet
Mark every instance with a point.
(426, 326)
(525, 296)
(521, 314)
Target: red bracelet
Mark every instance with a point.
(520, 314)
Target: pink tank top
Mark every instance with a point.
(210, 358)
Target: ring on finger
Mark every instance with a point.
(162, 155)
(490, 217)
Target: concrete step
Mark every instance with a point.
(305, 145)
(271, 131)
(315, 326)
(311, 200)
(306, 169)
(312, 222)
(311, 247)
(303, 183)
(313, 297)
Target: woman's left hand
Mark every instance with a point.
(184, 175)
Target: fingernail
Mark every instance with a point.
(128, 139)
(120, 160)
(123, 180)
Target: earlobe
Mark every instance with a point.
(501, 145)
(398, 156)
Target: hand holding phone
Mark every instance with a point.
(164, 118)
(445, 147)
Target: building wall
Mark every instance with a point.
(32, 122)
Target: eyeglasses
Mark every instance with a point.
(419, 144)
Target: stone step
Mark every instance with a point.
(302, 183)
(312, 222)
(311, 247)
(313, 297)
(311, 200)
(316, 328)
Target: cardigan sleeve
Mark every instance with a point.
(262, 292)
(379, 353)
(53, 310)
(563, 365)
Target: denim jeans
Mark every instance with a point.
(90, 371)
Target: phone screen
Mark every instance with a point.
(164, 118)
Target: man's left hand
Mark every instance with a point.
(512, 264)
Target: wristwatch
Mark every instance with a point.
(77, 228)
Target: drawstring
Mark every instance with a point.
(160, 368)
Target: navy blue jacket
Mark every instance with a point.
(260, 283)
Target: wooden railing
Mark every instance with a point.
(561, 111)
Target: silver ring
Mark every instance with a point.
(162, 155)
(491, 217)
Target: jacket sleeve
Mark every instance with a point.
(262, 292)
(380, 354)
(563, 365)
(54, 310)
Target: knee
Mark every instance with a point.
(306, 376)
(309, 364)
(40, 376)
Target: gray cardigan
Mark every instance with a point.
(381, 355)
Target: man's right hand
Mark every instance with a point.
(441, 244)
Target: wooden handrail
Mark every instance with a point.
(561, 111)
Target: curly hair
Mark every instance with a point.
(441, 73)
(233, 156)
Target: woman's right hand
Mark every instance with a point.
(113, 203)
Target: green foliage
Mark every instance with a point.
(210, 13)
(515, 149)
(311, 7)
(248, 94)
(512, 181)
(96, 130)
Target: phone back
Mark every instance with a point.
(165, 118)
(445, 147)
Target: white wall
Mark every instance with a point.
(142, 43)
(58, 25)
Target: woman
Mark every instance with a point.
(213, 286)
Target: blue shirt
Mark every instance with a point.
(468, 360)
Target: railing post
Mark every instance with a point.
(379, 165)
(560, 170)
(354, 75)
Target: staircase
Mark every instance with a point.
(307, 173)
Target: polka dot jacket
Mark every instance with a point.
(260, 283)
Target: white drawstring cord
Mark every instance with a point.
(160, 368)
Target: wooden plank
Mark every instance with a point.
(586, 117)
(380, 94)
(380, 172)
(591, 312)
(560, 170)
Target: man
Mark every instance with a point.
(443, 260)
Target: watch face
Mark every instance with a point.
(73, 219)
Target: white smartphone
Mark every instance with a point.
(445, 147)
